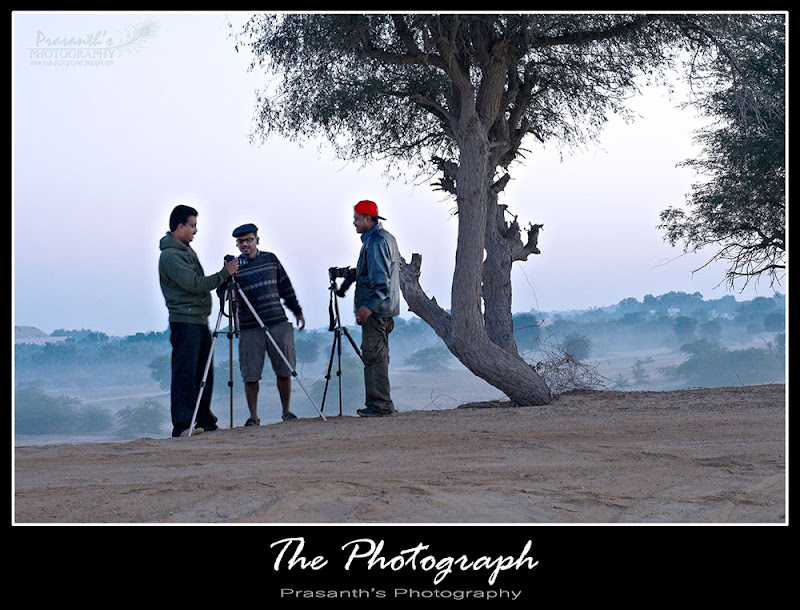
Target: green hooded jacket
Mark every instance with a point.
(185, 287)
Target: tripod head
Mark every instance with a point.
(334, 273)
(243, 260)
(347, 273)
(222, 291)
(227, 293)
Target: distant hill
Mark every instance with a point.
(31, 334)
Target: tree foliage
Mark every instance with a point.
(712, 365)
(147, 418)
(397, 88)
(433, 358)
(739, 208)
(38, 413)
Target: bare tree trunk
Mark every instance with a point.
(506, 371)
(503, 247)
(497, 280)
(463, 331)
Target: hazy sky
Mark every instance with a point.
(106, 144)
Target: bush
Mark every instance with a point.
(92, 419)
(435, 358)
(161, 371)
(578, 346)
(710, 365)
(37, 413)
(148, 418)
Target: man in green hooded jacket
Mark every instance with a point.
(186, 291)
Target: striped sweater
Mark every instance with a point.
(264, 282)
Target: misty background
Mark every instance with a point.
(83, 386)
(105, 145)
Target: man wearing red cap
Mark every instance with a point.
(376, 302)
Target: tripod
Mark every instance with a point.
(233, 329)
(338, 330)
(233, 286)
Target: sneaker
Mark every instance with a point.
(370, 412)
(288, 416)
(253, 421)
(195, 432)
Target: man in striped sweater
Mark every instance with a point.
(265, 283)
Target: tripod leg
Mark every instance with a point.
(230, 349)
(278, 349)
(328, 376)
(205, 372)
(353, 343)
(230, 375)
(339, 374)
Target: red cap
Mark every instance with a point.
(368, 208)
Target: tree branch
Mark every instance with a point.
(437, 109)
(585, 36)
(419, 302)
(449, 171)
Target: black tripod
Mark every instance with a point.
(338, 330)
(233, 331)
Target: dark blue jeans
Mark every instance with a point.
(191, 344)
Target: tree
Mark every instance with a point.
(161, 371)
(739, 210)
(456, 95)
(307, 349)
(38, 413)
(580, 346)
(433, 358)
(147, 418)
(685, 328)
(710, 365)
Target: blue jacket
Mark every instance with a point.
(378, 273)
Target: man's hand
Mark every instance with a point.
(232, 266)
(362, 314)
(301, 322)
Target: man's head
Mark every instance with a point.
(247, 239)
(183, 223)
(365, 215)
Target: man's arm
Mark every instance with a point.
(379, 261)
(287, 293)
(185, 276)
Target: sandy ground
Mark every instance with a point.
(691, 456)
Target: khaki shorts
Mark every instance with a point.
(253, 344)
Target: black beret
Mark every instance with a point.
(244, 229)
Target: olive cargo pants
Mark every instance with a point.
(375, 352)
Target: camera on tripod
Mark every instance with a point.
(347, 273)
(243, 260)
